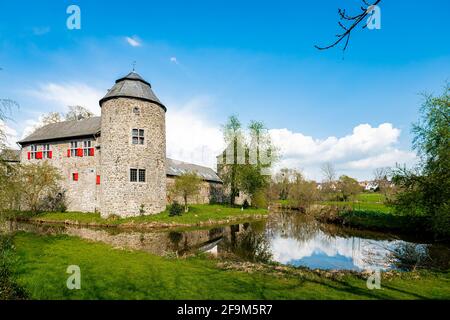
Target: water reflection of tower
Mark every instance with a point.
(234, 230)
(356, 250)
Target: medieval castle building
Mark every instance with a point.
(116, 163)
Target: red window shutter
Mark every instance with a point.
(29, 155)
(39, 155)
(75, 176)
(98, 179)
(79, 152)
(50, 154)
(68, 153)
(91, 152)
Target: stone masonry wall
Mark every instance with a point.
(118, 195)
(82, 195)
(210, 192)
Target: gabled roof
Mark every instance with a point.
(176, 168)
(65, 130)
(92, 126)
(132, 86)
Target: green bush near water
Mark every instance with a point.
(9, 289)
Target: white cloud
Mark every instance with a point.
(63, 95)
(190, 136)
(31, 125)
(365, 254)
(385, 159)
(134, 41)
(356, 154)
(174, 60)
(60, 96)
(10, 135)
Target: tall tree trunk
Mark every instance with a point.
(186, 208)
(233, 173)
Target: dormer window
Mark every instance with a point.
(137, 136)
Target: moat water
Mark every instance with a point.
(288, 238)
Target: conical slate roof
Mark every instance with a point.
(132, 86)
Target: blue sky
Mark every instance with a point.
(209, 59)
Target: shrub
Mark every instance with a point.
(259, 199)
(38, 181)
(142, 209)
(9, 289)
(176, 209)
(55, 201)
(186, 186)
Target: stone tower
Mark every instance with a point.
(133, 149)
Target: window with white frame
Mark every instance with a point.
(73, 148)
(46, 151)
(33, 150)
(137, 136)
(87, 144)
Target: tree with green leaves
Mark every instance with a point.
(282, 182)
(262, 152)
(38, 182)
(186, 186)
(425, 190)
(303, 193)
(246, 162)
(348, 187)
(232, 157)
(251, 181)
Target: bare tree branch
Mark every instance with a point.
(356, 20)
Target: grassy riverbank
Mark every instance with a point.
(108, 273)
(197, 215)
(369, 211)
(380, 221)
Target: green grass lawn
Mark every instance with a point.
(368, 211)
(361, 206)
(197, 214)
(364, 202)
(370, 197)
(108, 273)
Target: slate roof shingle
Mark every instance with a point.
(132, 86)
(92, 126)
(176, 168)
(65, 129)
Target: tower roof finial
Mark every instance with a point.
(134, 65)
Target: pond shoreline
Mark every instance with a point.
(140, 275)
(144, 225)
